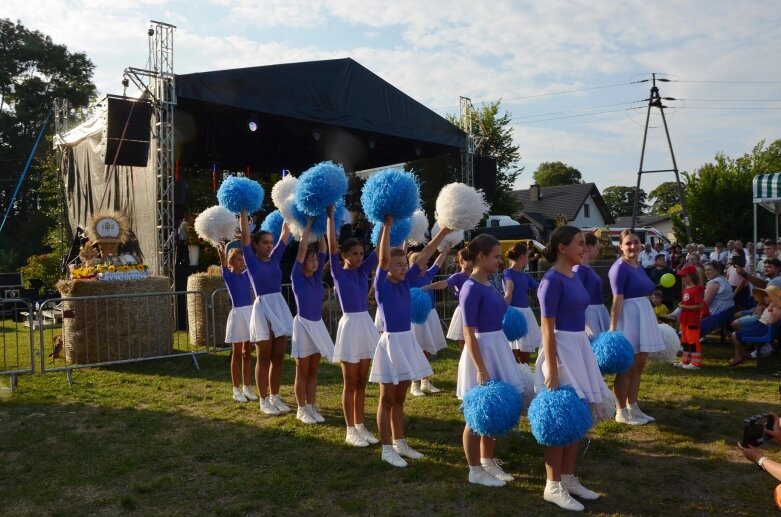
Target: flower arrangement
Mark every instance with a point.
(90, 272)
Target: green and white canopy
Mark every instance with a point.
(767, 191)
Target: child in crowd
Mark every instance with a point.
(691, 307)
(770, 316)
(660, 309)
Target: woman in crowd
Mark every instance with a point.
(718, 299)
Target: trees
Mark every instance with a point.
(620, 200)
(665, 197)
(552, 174)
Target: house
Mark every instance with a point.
(660, 222)
(580, 205)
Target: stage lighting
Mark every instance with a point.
(372, 143)
(253, 126)
(418, 150)
(316, 134)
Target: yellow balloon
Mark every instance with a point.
(667, 280)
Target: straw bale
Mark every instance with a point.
(206, 284)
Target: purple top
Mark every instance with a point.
(352, 285)
(426, 279)
(632, 282)
(482, 306)
(592, 282)
(522, 284)
(309, 290)
(266, 276)
(393, 299)
(565, 299)
(456, 280)
(238, 285)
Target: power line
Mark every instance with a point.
(628, 103)
(576, 116)
(725, 82)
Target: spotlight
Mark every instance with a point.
(418, 150)
(125, 82)
(372, 143)
(316, 134)
(253, 126)
(150, 32)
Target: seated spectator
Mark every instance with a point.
(718, 298)
(660, 269)
(750, 316)
(756, 455)
(740, 288)
(770, 316)
(660, 309)
(772, 272)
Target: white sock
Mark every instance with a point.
(387, 448)
(360, 426)
(400, 442)
(567, 477)
(486, 461)
(551, 484)
(475, 469)
(348, 429)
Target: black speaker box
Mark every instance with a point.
(133, 119)
(485, 175)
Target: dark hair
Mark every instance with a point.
(626, 233)
(312, 249)
(518, 250)
(774, 262)
(720, 244)
(463, 255)
(562, 235)
(660, 255)
(716, 265)
(256, 238)
(483, 243)
(657, 293)
(769, 242)
(348, 243)
(398, 252)
(591, 239)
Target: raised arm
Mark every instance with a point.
(384, 244)
(221, 252)
(331, 226)
(244, 223)
(284, 237)
(321, 245)
(430, 247)
(302, 246)
(441, 257)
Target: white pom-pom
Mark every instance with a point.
(451, 240)
(419, 228)
(216, 224)
(460, 207)
(282, 190)
(285, 208)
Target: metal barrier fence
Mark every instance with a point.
(16, 339)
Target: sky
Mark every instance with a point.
(573, 75)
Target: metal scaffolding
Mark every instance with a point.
(470, 145)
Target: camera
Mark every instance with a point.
(754, 429)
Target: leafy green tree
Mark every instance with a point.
(620, 200)
(553, 174)
(433, 174)
(665, 197)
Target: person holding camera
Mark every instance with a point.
(756, 455)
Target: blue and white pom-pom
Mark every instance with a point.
(273, 224)
(419, 228)
(323, 185)
(391, 192)
(514, 324)
(298, 220)
(216, 224)
(460, 207)
(613, 351)
(237, 194)
(421, 305)
(451, 240)
(558, 417)
(492, 409)
(399, 232)
(283, 196)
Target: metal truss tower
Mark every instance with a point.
(468, 151)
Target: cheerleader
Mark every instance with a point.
(236, 278)
(271, 321)
(517, 284)
(633, 315)
(398, 358)
(310, 337)
(456, 329)
(566, 356)
(429, 335)
(356, 336)
(486, 354)
(597, 317)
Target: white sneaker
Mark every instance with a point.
(353, 438)
(267, 407)
(238, 396)
(478, 476)
(303, 414)
(492, 466)
(690, 366)
(763, 351)
(401, 447)
(366, 434)
(427, 385)
(247, 391)
(389, 455)
(680, 365)
(277, 402)
(556, 493)
(623, 416)
(415, 389)
(573, 486)
(314, 413)
(636, 412)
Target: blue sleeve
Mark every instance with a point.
(452, 279)
(412, 273)
(533, 285)
(297, 273)
(380, 278)
(469, 299)
(370, 262)
(278, 251)
(250, 259)
(320, 264)
(549, 295)
(432, 271)
(336, 267)
(617, 276)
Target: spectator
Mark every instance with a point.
(660, 269)
(647, 257)
(740, 288)
(719, 254)
(772, 270)
(769, 251)
(693, 259)
(534, 258)
(751, 257)
(659, 250)
(769, 317)
(756, 455)
(660, 309)
(701, 250)
(718, 298)
(676, 257)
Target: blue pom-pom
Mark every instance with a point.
(421, 305)
(400, 230)
(492, 409)
(514, 324)
(559, 417)
(391, 192)
(322, 185)
(614, 352)
(237, 194)
(273, 224)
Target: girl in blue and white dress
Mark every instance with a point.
(597, 315)
(398, 359)
(310, 336)
(486, 355)
(517, 285)
(456, 329)
(271, 322)
(236, 277)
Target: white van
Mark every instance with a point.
(501, 220)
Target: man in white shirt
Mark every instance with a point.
(719, 254)
(647, 257)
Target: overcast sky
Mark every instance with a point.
(722, 57)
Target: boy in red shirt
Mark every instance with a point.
(691, 306)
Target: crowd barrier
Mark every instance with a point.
(16, 339)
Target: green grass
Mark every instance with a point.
(163, 438)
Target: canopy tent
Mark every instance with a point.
(767, 193)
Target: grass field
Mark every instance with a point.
(164, 438)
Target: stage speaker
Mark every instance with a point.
(485, 175)
(133, 119)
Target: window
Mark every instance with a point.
(586, 210)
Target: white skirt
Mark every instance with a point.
(356, 338)
(237, 328)
(498, 359)
(379, 323)
(531, 341)
(429, 335)
(258, 325)
(597, 319)
(278, 314)
(311, 337)
(577, 366)
(639, 325)
(398, 358)
(456, 329)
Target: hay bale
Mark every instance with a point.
(205, 284)
(97, 330)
